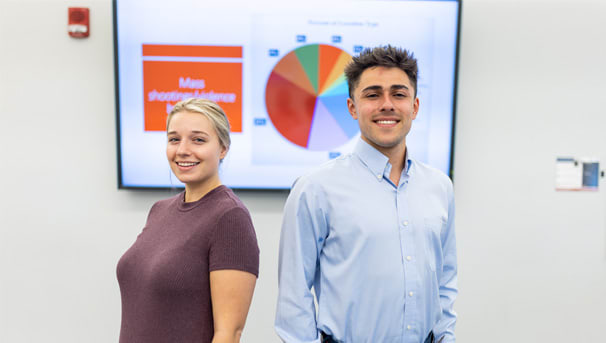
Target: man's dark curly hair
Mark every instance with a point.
(382, 56)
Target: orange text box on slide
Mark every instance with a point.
(167, 82)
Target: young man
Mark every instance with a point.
(372, 231)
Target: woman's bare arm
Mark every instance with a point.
(231, 292)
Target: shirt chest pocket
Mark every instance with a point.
(432, 230)
(370, 232)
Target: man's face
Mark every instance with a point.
(384, 104)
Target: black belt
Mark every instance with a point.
(328, 339)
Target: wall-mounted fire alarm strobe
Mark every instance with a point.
(78, 22)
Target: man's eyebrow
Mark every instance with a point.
(372, 88)
(399, 87)
(378, 88)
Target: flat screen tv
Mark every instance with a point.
(265, 63)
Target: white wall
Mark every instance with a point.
(532, 261)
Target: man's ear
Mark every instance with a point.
(415, 109)
(351, 106)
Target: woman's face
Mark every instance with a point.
(193, 149)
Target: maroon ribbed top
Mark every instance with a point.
(164, 276)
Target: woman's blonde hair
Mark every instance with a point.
(211, 110)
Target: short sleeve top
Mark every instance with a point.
(164, 276)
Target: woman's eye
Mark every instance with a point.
(199, 140)
(173, 139)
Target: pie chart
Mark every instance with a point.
(306, 97)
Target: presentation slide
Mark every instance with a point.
(276, 69)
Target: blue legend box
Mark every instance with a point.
(358, 48)
(333, 154)
(260, 121)
(273, 52)
(301, 38)
(336, 39)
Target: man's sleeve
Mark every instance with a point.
(444, 329)
(303, 231)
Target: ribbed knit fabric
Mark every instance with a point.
(164, 276)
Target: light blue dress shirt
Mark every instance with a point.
(381, 257)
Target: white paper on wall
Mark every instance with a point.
(577, 174)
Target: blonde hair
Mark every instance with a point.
(210, 110)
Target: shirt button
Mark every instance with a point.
(405, 223)
(409, 327)
(410, 294)
(408, 258)
(379, 176)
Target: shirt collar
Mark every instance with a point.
(376, 161)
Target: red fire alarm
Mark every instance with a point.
(77, 22)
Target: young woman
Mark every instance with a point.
(190, 275)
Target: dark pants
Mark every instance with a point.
(328, 339)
